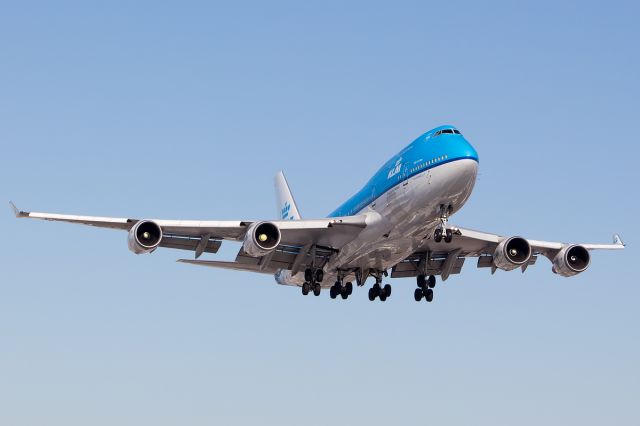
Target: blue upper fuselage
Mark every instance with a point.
(438, 146)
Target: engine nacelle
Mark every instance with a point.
(571, 260)
(261, 238)
(512, 253)
(144, 237)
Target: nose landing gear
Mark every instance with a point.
(441, 230)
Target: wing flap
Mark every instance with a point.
(225, 265)
(180, 242)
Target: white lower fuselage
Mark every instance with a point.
(399, 220)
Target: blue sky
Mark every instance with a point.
(187, 109)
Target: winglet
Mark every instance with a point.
(617, 240)
(16, 211)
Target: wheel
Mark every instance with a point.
(376, 289)
(308, 275)
(421, 280)
(319, 275)
(428, 295)
(305, 288)
(333, 292)
(418, 294)
(316, 289)
(448, 236)
(437, 235)
(372, 294)
(344, 294)
(383, 297)
(349, 288)
(387, 290)
(431, 282)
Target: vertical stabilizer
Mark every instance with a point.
(287, 208)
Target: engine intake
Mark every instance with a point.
(512, 253)
(571, 260)
(261, 238)
(144, 237)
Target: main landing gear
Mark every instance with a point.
(378, 290)
(343, 290)
(312, 278)
(441, 230)
(425, 288)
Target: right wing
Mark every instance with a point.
(441, 258)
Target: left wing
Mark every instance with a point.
(495, 252)
(297, 239)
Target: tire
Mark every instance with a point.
(387, 290)
(305, 289)
(316, 290)
(349, 288)
(344, 295)
(383, 297)
(428, 295)
(421, 281)
(319, 275)
(448, 236)
(333, 292)
(437, 235)
(417, 295)
(372, 295)
(308, 275)
(376, 289)
(431, 281)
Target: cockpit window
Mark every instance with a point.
(446, 131)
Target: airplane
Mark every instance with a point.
(397, 225)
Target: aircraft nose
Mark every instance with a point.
(470, 151)
(461, 148)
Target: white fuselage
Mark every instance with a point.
(399, 220)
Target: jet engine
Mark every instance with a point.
(512, 253)
(571, 260)
(261, 238)
(144, 237)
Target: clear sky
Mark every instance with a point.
(187, 109)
